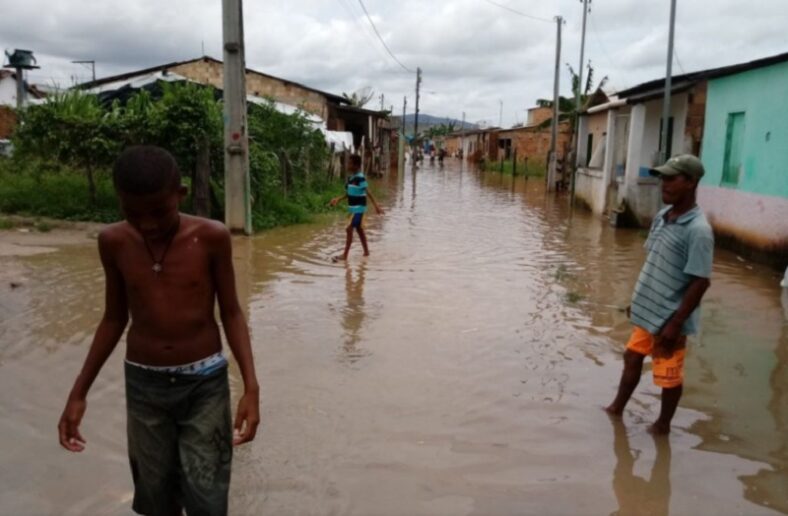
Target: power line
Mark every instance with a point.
(381, 39)
(678, 61)
(519, 13)
(362, 26)
(598, 39)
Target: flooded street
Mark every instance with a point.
(460, 369)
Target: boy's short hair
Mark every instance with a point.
(355, 159)
(145, 169)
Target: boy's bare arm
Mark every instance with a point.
(375, 203)
(108, 333)
(248, 414)
(336, 200)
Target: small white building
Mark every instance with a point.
(619, 140)
(8, 89)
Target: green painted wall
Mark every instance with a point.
(762, 94)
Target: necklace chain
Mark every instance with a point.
(158, 265)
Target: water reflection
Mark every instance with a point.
(635, 494)
(353, 314)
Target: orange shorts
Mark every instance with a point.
(667, 367)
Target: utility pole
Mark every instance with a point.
(551, 168)
(92, 64)
(578, 99)
(401, 147)
(416, 119)
(462, 144)
(663, 148)
(500, 113)
(238, 208)
(382, 100)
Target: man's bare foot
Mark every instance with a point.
(659, 428)
(338, 258)
(613, 410)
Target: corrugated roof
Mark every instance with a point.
(658, 85)
(146, 71)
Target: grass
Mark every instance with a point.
(574, 297)
(63, 195)
(57, 195)
(42, 227)
(534, 168)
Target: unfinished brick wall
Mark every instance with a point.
(7, 121)
(212, 72)
(538, 115)
(534, 143)
(696, 116)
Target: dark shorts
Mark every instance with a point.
(180, 441)
(357, 220)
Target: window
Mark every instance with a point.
(589, 147)
(669, 149)
(734, 134)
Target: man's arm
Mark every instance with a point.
(692, 297)
(108, 333)
(248, 414)
(375, 203)
(700, 256)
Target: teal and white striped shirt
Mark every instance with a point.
(677, 252)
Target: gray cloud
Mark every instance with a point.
(472, 53)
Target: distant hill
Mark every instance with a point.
(426, 121)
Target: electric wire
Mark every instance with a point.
(519, 13)
(381, 39)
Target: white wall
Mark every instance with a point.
(642, 192)
(8, 91)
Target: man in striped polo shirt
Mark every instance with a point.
(671, 284)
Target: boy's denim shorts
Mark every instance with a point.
(180, 441)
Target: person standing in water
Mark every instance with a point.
(671, 284)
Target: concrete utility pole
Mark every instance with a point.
(551, 168)
(579, 97)
(416, 119)
(401, 148)
(238, 206)
(462, 142)
(663, 148)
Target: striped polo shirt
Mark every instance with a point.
(356, 188)
(677, 252)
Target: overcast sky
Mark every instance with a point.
(473, 54)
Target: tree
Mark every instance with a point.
(72, 129)
(567, 106)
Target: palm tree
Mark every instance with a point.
(567, 107)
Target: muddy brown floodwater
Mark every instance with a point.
(458, 370)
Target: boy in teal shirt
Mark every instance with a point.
(357, 194)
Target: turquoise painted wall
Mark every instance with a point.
(762, 94)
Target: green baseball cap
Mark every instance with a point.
(682, 164)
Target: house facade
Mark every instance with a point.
(735, 118)
(332, 109)
(745, 153)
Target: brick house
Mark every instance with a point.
(332, 109)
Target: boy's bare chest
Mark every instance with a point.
(184, 271)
